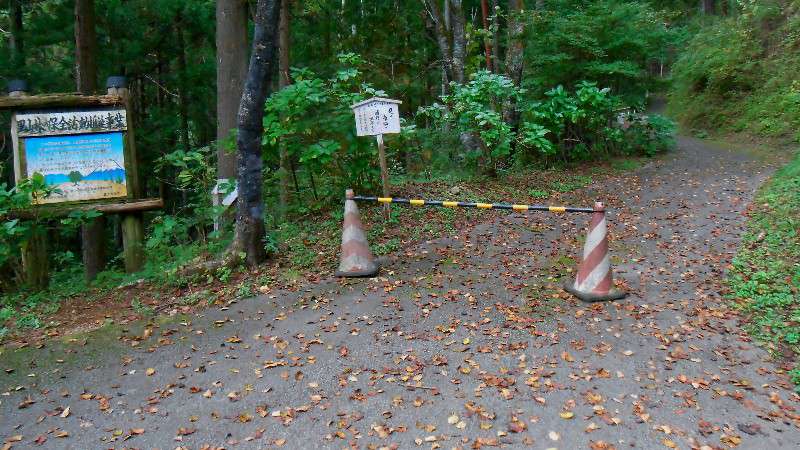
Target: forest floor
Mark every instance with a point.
(461, 342)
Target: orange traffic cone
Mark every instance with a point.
(356, 258)
(594, 282)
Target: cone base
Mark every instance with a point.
(357, 274)
(590, 297)
(361, 273)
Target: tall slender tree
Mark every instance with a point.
(449, 28)
(231, 72)
(487, 40)
(284, 79)
(515, 50)
(250, 232)
(17, 40)
(515, 53)
(85, 47)
(93, 232)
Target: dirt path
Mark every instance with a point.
(461, 343)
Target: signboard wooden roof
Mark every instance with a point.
(375, 99)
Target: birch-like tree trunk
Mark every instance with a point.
(459, 40)
(497, 61)
(516, 47)
(449, 29)
(250, 232)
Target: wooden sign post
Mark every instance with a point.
(376, 117)
(83, 146)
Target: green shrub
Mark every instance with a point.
(312, 117)
(564, 125)
(649, 135)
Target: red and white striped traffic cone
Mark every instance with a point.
(356, 258)
(594, 282)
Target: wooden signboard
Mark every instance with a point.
(376, 117)
(82, 146)
(79, 152)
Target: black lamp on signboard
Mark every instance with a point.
(118, 82)
(17, 87)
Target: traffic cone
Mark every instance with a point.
(594, 282)
(356, 258)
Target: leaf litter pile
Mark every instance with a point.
(462, 342)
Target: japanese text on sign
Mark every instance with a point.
(74, 122)
(377, 116)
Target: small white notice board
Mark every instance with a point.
(377, 116)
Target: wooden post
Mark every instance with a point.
(133, 241)
(132, 222)
(35, 264)
(384, 173)
(93, 247)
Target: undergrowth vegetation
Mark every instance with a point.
(739, 73)
(765, 279)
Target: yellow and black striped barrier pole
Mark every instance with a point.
(447, 204)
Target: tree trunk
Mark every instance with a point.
(93, 247)
(182, 88)
(449, 28)
(85, 47)
(459, 40)
(709, 7)
(487, 40)
(515, 50)
(514, 55)
(93, 232)
(17, 41)
(231, 72)
(441, 30)
(496, 57)
(250, 231)
(284, 46)
(34, 258)
(183, 109)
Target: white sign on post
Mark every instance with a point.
(377, 116)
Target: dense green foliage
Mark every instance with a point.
(739, 73)
(609, 42)
(312, 118)
(765, 278)
(562, 125)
